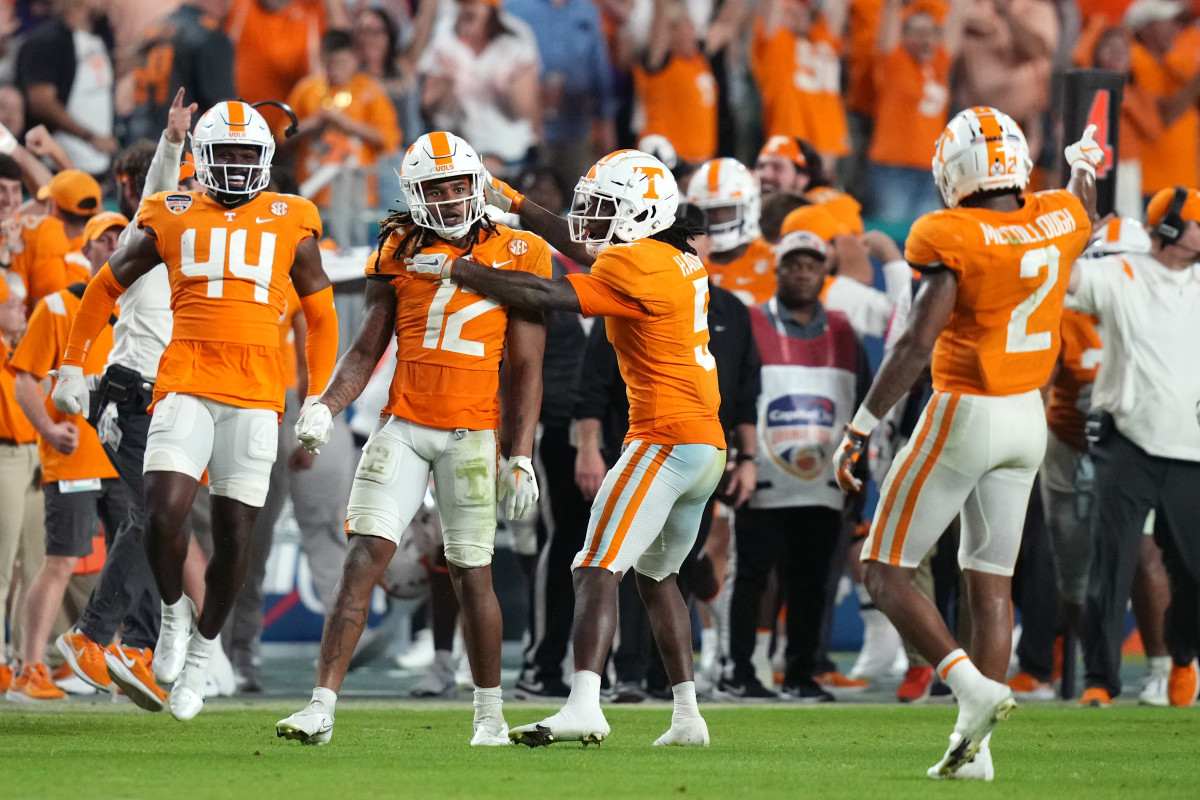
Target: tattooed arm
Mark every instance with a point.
(354, 369)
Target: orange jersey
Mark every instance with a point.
(42, 265)
(1070, 394)
(864, 21)
(230, 269)
(13, 424)
(912, 110)
(449, 339)
(680, 103)
(1175, 157)
(41, 350)
(656, 300)
(799, 79)
(274, 50)
(844, 208)
(750, 276)
(1012, 267)
(363, 99)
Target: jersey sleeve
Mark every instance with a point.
(149, 214)
(310, 218)
(382, 260)
(935, 242)
(599, 299)
(39, 347)
(535, 259)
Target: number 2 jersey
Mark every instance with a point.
(1012, 267)
(230, 269)
(449, 339)
(656, 300)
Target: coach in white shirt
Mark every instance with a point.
(1144, 437)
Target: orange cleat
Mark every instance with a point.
(837, 682)
(1095, 697)
(6, 677)
(33, 683)
(85, 659)
(1026, 687)
(916, 685)
(1183, 685)
(130, 670)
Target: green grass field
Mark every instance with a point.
(419, 750)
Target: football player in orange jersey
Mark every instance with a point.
(230, 252)
(648, 282)
(442, 417)
(995, 265)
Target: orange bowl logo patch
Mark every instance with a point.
(178, 203)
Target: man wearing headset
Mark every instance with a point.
(1143, 438)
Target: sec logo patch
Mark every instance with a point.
(178, 203)
(518, 247)
(279, 208)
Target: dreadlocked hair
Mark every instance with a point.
(678, 234)
(415, 238)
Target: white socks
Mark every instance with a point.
(685, 701)
(488, 702)
(957, 670)
(585, 690)
(326, 697)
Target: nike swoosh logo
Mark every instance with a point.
(260, 220)
(500, 264)
(126, 660)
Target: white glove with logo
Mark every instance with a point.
(1086, 154)
(518, 489)
(430, 266)
(315, 425)
(70, 395)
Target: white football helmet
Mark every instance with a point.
(435, 157)
(633, 192)
(232, 122)
(1120, 235)
(981, 150)
(725, 183)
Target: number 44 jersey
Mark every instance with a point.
(449, 339)
(1012, 269)
(230, 269)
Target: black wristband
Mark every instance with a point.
(744, 457)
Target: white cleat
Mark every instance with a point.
(978, 768)
(313, 725)
(187, 695)
(1154, 690)
(490, 731)
(173, 635)
(221, 681)
(568, 725)
(685, 733)
(881, 650)
(978, 713)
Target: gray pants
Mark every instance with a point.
(1129, 483)
(22, 531)
(319, 496)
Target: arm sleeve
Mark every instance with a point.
(596, 376)
(163, 174)
(94, 311)
(598, 299)
(321, 341)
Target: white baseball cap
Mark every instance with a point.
(1146, 12)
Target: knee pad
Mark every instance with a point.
(372, 511)
(467, 556)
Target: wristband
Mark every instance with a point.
(864, 421)
(742, 457)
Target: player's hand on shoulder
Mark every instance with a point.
(70, 395)
(429, 266)
(1085, 153)
(518, 487)
(846, 457)
(500, 195)
(315, 425)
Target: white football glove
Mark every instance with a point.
(70, 395)
(518, 489)
(429, 266)
(315, 425)
(1086, 154)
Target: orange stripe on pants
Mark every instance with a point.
(914, 491)
(881, 525)
(635, 502)
(613, 498)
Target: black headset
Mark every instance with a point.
(292, 128)
(1171, 226)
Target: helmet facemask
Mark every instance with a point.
(593, 218)
(439, 215)
(232, 180)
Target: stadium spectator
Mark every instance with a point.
(481, 82)
(675, 87)
(1168, 67)
(918, 44)
(21, 524)
(1005, 63)
(392, 61)
(187, 49)
(78, 481)
(12, 109)
(65, 72)
(1145, 451)
(578, 100)
(796, 62)
(346, 123)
